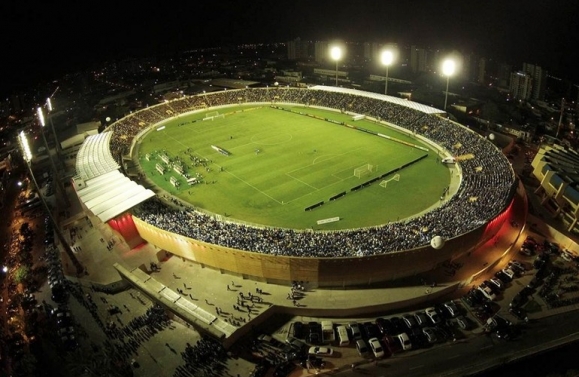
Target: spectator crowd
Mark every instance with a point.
(486, 186)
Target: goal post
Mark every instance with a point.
(384, 183)
(363, 170)
(213, 115)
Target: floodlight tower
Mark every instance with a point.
(54, 170)
(49, 111)
(448, 67)
(336, 54)
(27, 155)
(387, 59)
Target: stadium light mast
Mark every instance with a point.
(336, 54)
(54, 170)
(49, 113)
(448, 68)
(27, 155)
(387, 59)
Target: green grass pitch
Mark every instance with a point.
(282, 162)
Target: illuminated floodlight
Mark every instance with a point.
(49, 104)
(26, 153)
(4, 269)
(40, 116)
(336, 53)
(387, 58)
(448, 68)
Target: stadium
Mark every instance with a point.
(409, 190)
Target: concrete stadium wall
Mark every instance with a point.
(318, 272)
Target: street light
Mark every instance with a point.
(54, 169)
(387, 58)
(336, 54)
(27, 155)
(448, 67)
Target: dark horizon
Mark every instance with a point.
(43, 42)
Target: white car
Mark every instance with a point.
(321, 351)
(376, 347)
(487, 292)
(499, 284)
(433, 315)
(509, 272)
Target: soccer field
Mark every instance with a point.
(266, 166)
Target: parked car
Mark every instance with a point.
(409, 321)
(405, 341)
(517, 266)
(321, 351)
(421, 319)
(509, 272)
(371, 330)
(385, 326)
(355, 330)
(430, 334)
(362, 347)
(463, 322)
(433, 315)
(497, 283)
(376, 347)
(487, 292)
(298, 330)
(451, 308)
(398, 325)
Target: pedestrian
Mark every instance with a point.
(295, 302)
(228, 287)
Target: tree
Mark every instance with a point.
(21, 274)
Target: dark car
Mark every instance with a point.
(503, 277)
(385, 326)
(398, 325)
(371, 330)
(299, 330)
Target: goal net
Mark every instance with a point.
(363, 170)
(213, 115)
(384, 183)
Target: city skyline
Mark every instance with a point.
(46, 42)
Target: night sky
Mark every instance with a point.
(41, 40)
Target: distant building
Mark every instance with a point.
(298, 49)
(521, 85)
(372, 51)
(539, 80)
(504, 75)
(418, 59)
(321, 51)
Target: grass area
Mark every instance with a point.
(281, 162)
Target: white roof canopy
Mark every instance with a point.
(108, 192)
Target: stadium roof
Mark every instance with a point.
(381, 97)
(233, 83)
(106, 192)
